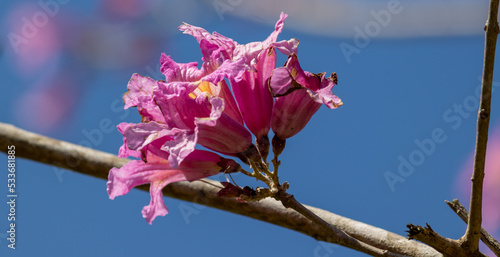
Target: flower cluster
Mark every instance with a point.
(237, 92)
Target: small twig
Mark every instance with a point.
(471, 238)
(336, 234)
(486, 237)
(448, 247)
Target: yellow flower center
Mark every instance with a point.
(204, 86)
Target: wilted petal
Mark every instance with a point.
(282, 82)
(277, 30)
(214, 47)
(304, 93)
(324, 94)
(252, 50)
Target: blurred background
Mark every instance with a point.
(409, 73)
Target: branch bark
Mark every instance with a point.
(471, 238)
(337, 235)
(448, 247)
(96, 163)
(486, 237)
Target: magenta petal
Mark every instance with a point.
(138, 86)
(253, 96)
(252, 50)
(325, 96)
(159, 173)
(221, 133)
(124, 151)
(142, 134)
(201, 34)
(215, 47)
(281, 82)
(140, 94)
(132, 174)
(277, 30)
(228, 69)
(156, 205)
(293, 111)
(180, 147)
(178, 107)
(179, 71)
(287, 47)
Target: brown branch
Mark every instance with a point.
(471, 238)
(448, 247)
(96, 163)
(336, 234)
(486, 237)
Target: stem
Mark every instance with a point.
(471, 237)
(486, 237)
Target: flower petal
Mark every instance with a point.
(179, 71)
(142, 134)
(288, 47)
(214, 47)
(140, 91)
(159, 173)
(303, 93)
(253, 96)
(277, 30)
(220, 132)
(156, 205)
(124, 151)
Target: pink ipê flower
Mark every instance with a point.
(252, 94)
(218, 106)
(299, 94)
(158, 173)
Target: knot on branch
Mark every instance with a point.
(483, 114)
(416, 231)
(495, 29)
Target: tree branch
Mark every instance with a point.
(337, 235)
(471, 238)
(448, 247)
(97, 164)
(487, 239)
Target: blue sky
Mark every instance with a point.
(395, 91)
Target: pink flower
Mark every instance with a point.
(251, 92)
(299, 94)
(191, 107)
(158, 173)
(197, 107)
(202, 104)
